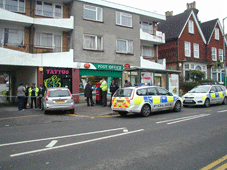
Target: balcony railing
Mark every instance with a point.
(158, 38)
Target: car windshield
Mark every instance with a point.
(200, 89)
(123, 93)
(59, 93)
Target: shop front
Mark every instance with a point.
(95, 72)
(168, 79)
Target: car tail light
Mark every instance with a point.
(47, 95)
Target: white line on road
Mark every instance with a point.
(77, 143)
(60, 137)
(222, 111)
(182, 119)
(52, 143)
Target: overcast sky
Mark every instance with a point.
(208, 9)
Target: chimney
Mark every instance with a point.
(169, 13)
(191, 5)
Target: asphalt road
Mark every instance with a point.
(187, 140)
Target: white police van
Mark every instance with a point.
(144, 100)
(205, 95)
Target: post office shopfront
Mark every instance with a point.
(95, 72)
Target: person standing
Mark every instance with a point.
(26, 96)
(88, 93)
(21, 96)
(113, 89)
(127, 84)
(40, 94)
(104, 88)
(33, 93)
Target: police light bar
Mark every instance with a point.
(209, 83)
(143, 84)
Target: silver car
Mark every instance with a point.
(59, 98)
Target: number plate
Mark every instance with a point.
(60, 101)
(120, 101)
(189, 101)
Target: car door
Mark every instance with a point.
(213, 98)
(219, 94)
(166, 99)
(153, 98)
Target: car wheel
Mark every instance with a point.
(225, 101)
(177, 106)
(207, 103)
(123, 113)
(72, 111)
(146, 110)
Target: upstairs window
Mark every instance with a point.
(191, 27)
(93, 13)
(187, 49)
(196, 50)
(13, 37)
(147, 51)
(147, 27)
(13, 5)
(216, 33)
(48, 9)
(93, 42)
(220, 53)
(125, 46)
(214, 54)
(123, 19)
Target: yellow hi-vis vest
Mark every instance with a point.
(104, 86)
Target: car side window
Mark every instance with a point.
(151, 91)
(141, 92)
(223, 88)
(218, 88)
(213, 90)
(162, 91)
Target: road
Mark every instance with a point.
(194, 138)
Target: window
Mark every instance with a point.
(93, 42)
(216, 33)
(220, 53)
(48, 40)
(13, 5)
(186, 66)
(196, 50)
(214, 54)
(93, 13)
(125, 46)
(151, 91)
(187, 49)
(48, 9)
(123, 19)
(13, 37)
(192, 66)
(162, 91)
(141, 92)
(147, 52)
(147, 27)
(191, 27)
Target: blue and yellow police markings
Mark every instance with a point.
(216, 96)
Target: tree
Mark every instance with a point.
(196, 75)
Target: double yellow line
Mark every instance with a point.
(217, 162)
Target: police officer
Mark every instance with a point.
(33, 93)
(113, 88)
(104, 88)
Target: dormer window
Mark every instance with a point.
(216, 33)
(191, 27)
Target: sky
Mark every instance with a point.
(208, 9)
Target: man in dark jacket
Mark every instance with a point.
(40, 95)
(113, 88)
(88, 93)
(26, 95)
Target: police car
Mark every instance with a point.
(205, 95)
(144, 100)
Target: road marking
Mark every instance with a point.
(75, 115)
(223, 167)
(177, 120)
(215, 163)
(222, 111)
(77, 143)
(60, 137)
(52, 143)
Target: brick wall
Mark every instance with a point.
(75, 84)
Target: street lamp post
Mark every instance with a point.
(224, 56)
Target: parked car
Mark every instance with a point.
(205, 95)
(144, 100)
(59, 98)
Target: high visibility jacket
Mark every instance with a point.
(104, 86)
(34, 90)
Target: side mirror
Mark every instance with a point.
(170, 94)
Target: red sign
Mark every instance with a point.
(127, 66)
(87, 65)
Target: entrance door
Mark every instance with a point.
(66, 82)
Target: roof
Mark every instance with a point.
(175, 25)
(208, 27)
